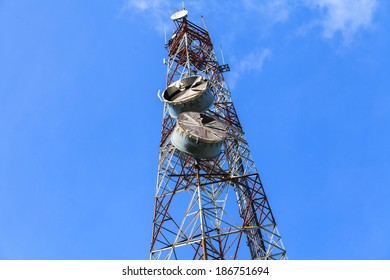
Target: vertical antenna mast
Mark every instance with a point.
(204, 24)
(223, 58)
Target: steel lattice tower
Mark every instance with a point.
(208, 208)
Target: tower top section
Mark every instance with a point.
(179, 15)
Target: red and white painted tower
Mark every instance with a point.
(209, 202)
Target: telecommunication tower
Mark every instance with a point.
(209, 201)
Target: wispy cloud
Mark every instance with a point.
(274, 10)
(156, 10)
(145, 5)
(344, 16)
(252, 62)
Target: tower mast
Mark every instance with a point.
(209, 201)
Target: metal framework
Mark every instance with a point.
(209, 209)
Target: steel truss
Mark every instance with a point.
(206, 209)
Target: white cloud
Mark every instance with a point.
(252, 62)
(345, 16)
(156, 10)
(144, 5)
(274, 10)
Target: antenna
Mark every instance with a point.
(179, 15)
(165, 36)
(223, 58)
(224, 67)
(204, 23)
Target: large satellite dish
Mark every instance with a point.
(199, 135)
(188, 94)
(179, 15)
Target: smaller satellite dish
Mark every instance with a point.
(179, 15)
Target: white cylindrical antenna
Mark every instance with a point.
(204, 23)
(182, 3)
(223, 57)
(165, 36)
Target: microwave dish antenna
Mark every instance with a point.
(179, 15)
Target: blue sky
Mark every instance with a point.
(80, 121)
